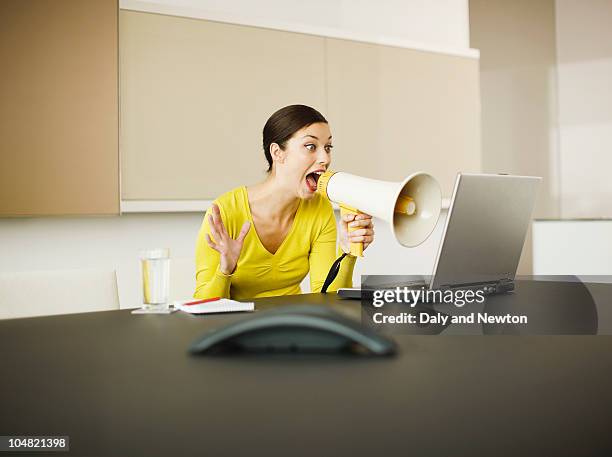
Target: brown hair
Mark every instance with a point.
(284, 123)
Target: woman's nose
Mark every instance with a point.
(323, 157)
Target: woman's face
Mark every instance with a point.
(307, 154)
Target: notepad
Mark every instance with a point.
(223, 305)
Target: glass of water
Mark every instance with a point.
(155, 265)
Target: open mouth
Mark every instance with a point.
(312, 179)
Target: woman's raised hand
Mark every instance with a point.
(228, 248)
(364, 232)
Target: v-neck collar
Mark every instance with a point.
(245, 196)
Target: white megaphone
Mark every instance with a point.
(411, 207)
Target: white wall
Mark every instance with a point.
(518, 90)
(579, 247)
(584, 52)
(584, 72)
(111, 242)
(439, 23)
(114, 243)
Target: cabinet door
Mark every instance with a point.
(58, 107)
(195, 96)
(394, 111)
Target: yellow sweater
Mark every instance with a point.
(310, 246)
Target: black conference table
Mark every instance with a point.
(123, 385)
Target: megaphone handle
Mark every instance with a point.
(356, 248)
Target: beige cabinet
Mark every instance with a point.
(394, 111)
(59, 107)
(195, 96)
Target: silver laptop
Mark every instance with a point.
(483, 235)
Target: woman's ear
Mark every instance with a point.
(278, 155)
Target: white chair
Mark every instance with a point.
(44, 293)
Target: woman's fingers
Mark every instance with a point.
(214, 230)
(218, 219)
(243, 231)
(215, 216)
(217, 227)
(214, 213)
(360, 232)
(362, 227)
(211, 243)
(352, 216)
(361, 223)
(361, 239)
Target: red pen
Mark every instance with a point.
(197, 302)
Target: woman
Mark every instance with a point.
(262, 240)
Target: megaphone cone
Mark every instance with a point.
(411, 207)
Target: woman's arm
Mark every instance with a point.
(216, 255)
(322, 255)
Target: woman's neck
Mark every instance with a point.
(270, 199)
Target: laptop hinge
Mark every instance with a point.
(500, 286)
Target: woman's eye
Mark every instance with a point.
(328, 148)
(311, 147)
